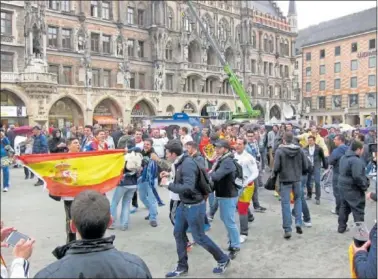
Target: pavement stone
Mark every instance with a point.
(320, 252)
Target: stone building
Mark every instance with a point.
(114, 62)
(337, 69)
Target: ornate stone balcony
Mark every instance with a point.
(46, 78)
(10, 77)
(7, 38)
(214, 68)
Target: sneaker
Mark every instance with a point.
(243, 238)
(133, 210)
(307, 224)
(176, 273)
(111, 227)
(260, 209)
(251, 218)
(233, 252)
(26, 177)
(207, 227)
(124, 228)
(333, 211)
(308, 198)
(161, 204)
(299, 230)
(342, 230)
(5, 189)
(147, 217)
(317, 202)
(287, 235)
(39, 183)
(210, 218)
(153, 224)
(221, 267)
(276, 194)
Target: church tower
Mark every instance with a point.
(292, 16)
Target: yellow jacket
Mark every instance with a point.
(318, 140)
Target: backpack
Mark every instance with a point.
(239, 179)
(203, 181)
(134, 161)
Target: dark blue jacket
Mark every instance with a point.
(200, 160)
(365, 263)
(352, 173)
(40, 144)
(4, 142)
(224, 177)
(335, 156)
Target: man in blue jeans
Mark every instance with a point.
(289, 164)
(191, 211)
(4, 145)
(223, 174)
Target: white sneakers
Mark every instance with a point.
(243, 238)
(307, 224)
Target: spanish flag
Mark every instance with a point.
(68, 174)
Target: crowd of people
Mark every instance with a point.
(205, 169)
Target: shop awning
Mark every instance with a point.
(105, 120)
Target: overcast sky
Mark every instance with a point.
(314, 12)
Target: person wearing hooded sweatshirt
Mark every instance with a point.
(333, 160)
(289, 163)
(57, 143)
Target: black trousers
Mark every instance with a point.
(351, 201)
(28, 173)
(67, 208)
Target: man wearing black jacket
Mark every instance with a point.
(352, 184)
(57, 143)
(93, 255)
(317, 159)
(191, 211)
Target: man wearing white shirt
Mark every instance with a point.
(250, 173)
(158, 144)
(109, 140)
(184, 136)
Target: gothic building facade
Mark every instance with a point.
(109, 62)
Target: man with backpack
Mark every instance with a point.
(191, 210)
(224, 174)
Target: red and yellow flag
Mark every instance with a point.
(68, 174)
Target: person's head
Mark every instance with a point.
(56, 133)
(80, 129)
(234, 132)
(228, 129)
(36, 130)
(90, 215)
(221, 147)
(173, 149)
(262, 129)
(311, 140)
(191, 147)
(73, 145)
(240, 145)
(183, 131)
(288, 138)
(156, 133)
(250, 136)
(357, 147)
(339, 140)
(196, 129)
(163, 133)
(138, 135)
(289, 127)
(107, 133)
(147, 145)
(73, 129)
(88, 129)
(99, 134)
(360, 137)
(205, 132)
(314, 130)
(332, 131)
(275, 128)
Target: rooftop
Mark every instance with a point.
(348, 25)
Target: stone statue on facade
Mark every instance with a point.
(85, 62)
(159, 77)
(119, 48)
(125, 70)
(249, 89)
(186, 53)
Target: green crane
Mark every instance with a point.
(233, 80)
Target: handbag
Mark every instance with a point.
(271, 183)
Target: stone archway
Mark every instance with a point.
(189, 108)
(65, 111)
(224, 107)
(142, 111)
(275, 112)
(13, 109)
(260, 108)
(204, 110)
(107, 112)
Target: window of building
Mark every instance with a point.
(65, 5)
(322, 85)
(296, 65)
(53, 5)
(353, 82)
(95, 42)
(169, 82)
(308, 56)
(169, 52)
(286, 71)
(187, 25)
(322, 69)
(354, 65)
(53, 36)
(308, 86)
(106, 44)
(308, 71)
(271, 69)
(140, 49)
(337, 67)
(107, 76)
(105, 8)
(6, 62)
(67, 75)
(66, 38)
(354, 47)
(322, 53)
(130, 15)
(265, 68)
(6, 23)
(130, 48)
(95, 77)
(372, 44)
(372, 61)
(337, 83)
(170, 19)
(321, 102)
(141, 17)
(142, 81)
(94, 8)
(253, 66)
(337, 51)
(371, 80)
(281, 71)
(132, 80)
(53, 69)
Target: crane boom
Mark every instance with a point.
(237, 87)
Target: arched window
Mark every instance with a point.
(187, 24)
(170, 18)
(286, 48)
(169, 51)
(222, 29)
(253, 90)
(271, 44)
(266, 48)
(254, 39)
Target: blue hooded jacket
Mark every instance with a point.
(335, 156)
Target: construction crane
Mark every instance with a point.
(233, 80)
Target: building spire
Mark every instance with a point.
(292, 8)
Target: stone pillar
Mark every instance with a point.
(127, 117)
(31, 43)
